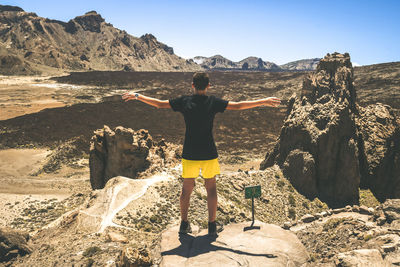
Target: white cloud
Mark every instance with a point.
(355, 64)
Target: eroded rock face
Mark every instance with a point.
(12, 244)
(329, 146)
(124, 152)
(380, 150)
(318, 141)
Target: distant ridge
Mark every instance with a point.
(219, 62)
(302, 64)
(30, 44)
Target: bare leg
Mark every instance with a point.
(187, 188)
(212, 199)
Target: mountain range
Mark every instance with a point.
(30, 44)
(219, 62)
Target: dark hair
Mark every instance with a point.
(200, 80)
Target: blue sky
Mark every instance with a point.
(277, 31)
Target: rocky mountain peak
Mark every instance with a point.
(148, 37)
(4, 8)
(91, 21)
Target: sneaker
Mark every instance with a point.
(212, 229)
(185, 228)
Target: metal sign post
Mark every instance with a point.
(252, 192)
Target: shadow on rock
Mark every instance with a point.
(204, 244)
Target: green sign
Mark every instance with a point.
(252, 191)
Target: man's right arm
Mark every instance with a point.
(148, 100)
(269, 101)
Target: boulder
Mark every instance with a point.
(131, 257)
(268, 246)
(391, 209)
(317, 144)
(125, 152)
(361, 257)
(13, 243)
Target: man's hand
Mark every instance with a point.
(130, 96)
(272, 102)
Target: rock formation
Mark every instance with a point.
(124, 152)
(318, 140)
(328, 146)
(32, 44)
(13, 243)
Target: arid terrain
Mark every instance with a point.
(45, 128)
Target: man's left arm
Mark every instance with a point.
(146, 99)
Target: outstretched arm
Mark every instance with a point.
(146, 99)
(269, 101)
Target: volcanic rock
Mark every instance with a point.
(391, 208)
(131, 257)
(361, 257)
(12, 244)
(318, 139)
(124, 152)
(329, 146)
(268, 246)
(380, 150)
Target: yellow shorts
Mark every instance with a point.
(191, 168)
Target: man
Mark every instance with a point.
(199, 150)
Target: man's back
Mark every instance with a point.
(199, 112)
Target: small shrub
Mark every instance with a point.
(89, 262)
(292, 213)
(367, 237)
(292, 200)
(90, 251)
(367, 198)
(332, 223)
(280, 183)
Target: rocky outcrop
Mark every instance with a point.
(318, 138)
(329, 146)
(91, 21)
(124, 152)
(33, 45)
(13, 243)
(391, 209)
(268, 246)
(361, 257)
(380, 150)
(131, 257)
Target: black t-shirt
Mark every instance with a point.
(199, 112)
